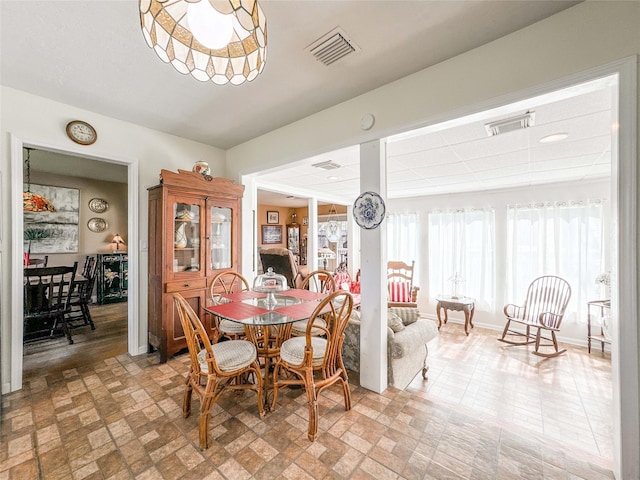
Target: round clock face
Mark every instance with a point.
(81, 132)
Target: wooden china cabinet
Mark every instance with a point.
(194, 233)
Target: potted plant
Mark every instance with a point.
(33, 233)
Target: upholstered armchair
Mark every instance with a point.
(283, 262)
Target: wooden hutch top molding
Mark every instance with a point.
(189, 179)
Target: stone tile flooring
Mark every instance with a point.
(122, 418)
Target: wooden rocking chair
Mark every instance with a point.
(543, 309)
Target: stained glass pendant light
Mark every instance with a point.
(34, 202)
(219, 40)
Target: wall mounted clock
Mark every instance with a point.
(81, 132)
(369, 210)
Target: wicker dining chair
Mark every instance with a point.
(220, 366)
(319, 281)
(543, 309)
(227, 282)
(315, 362)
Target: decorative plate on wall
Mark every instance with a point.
(97, 224)
(98, 205)
(369, 210)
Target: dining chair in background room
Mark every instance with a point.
(38, 262)
(47, 299)
(227, 282)
(543, 309)
(316, 361)
(214, 366)
(81, 295)
(318, 281)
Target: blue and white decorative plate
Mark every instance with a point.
(369, 210)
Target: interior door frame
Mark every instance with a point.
(17, 224)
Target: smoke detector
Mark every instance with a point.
(510, 124)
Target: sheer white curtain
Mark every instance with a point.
(556, 238)
(403, 239)
(463, 242)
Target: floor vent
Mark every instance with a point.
(510, 124)
(327, 165)
(332, 47)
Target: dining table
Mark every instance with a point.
(267, 327)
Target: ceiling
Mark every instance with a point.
(92, 55)
(460, 156)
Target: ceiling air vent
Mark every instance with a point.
(327, 165)
(510, 124)
(332, 47)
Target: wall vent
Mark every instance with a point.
(510, 124)
(332, 47)
(326, 165)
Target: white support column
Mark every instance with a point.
(353, 242)
(373, 277)
(312, 236)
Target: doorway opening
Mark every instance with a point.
(127, 311)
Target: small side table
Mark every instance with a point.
(597, 309)
(462, 304)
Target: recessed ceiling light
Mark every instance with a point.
(333, 177)
(554, 137)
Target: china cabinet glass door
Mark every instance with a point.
(221, 238)
(186, 237)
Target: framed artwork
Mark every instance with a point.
(305, 220)
(54, 232)
(271, 234)
(273, 217)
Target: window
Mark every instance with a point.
(462, 242)
(561, 238)
(403, 240)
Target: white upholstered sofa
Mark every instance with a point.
(407, 338)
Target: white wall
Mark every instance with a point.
(41, 121)
(498, 200)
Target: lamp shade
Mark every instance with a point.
(34, 202)
(225, 42)
(116, 241)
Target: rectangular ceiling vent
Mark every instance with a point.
(510, 124)
(332, 47)
(327, 165)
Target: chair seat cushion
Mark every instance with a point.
(230, 355)
(233, 328)
(292, 350)
(300, 328)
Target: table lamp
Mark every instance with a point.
(116, 241)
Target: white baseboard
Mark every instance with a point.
(6, 388)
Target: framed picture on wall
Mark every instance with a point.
(273, 217)
(271, 234)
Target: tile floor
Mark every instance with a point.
(121, 418)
